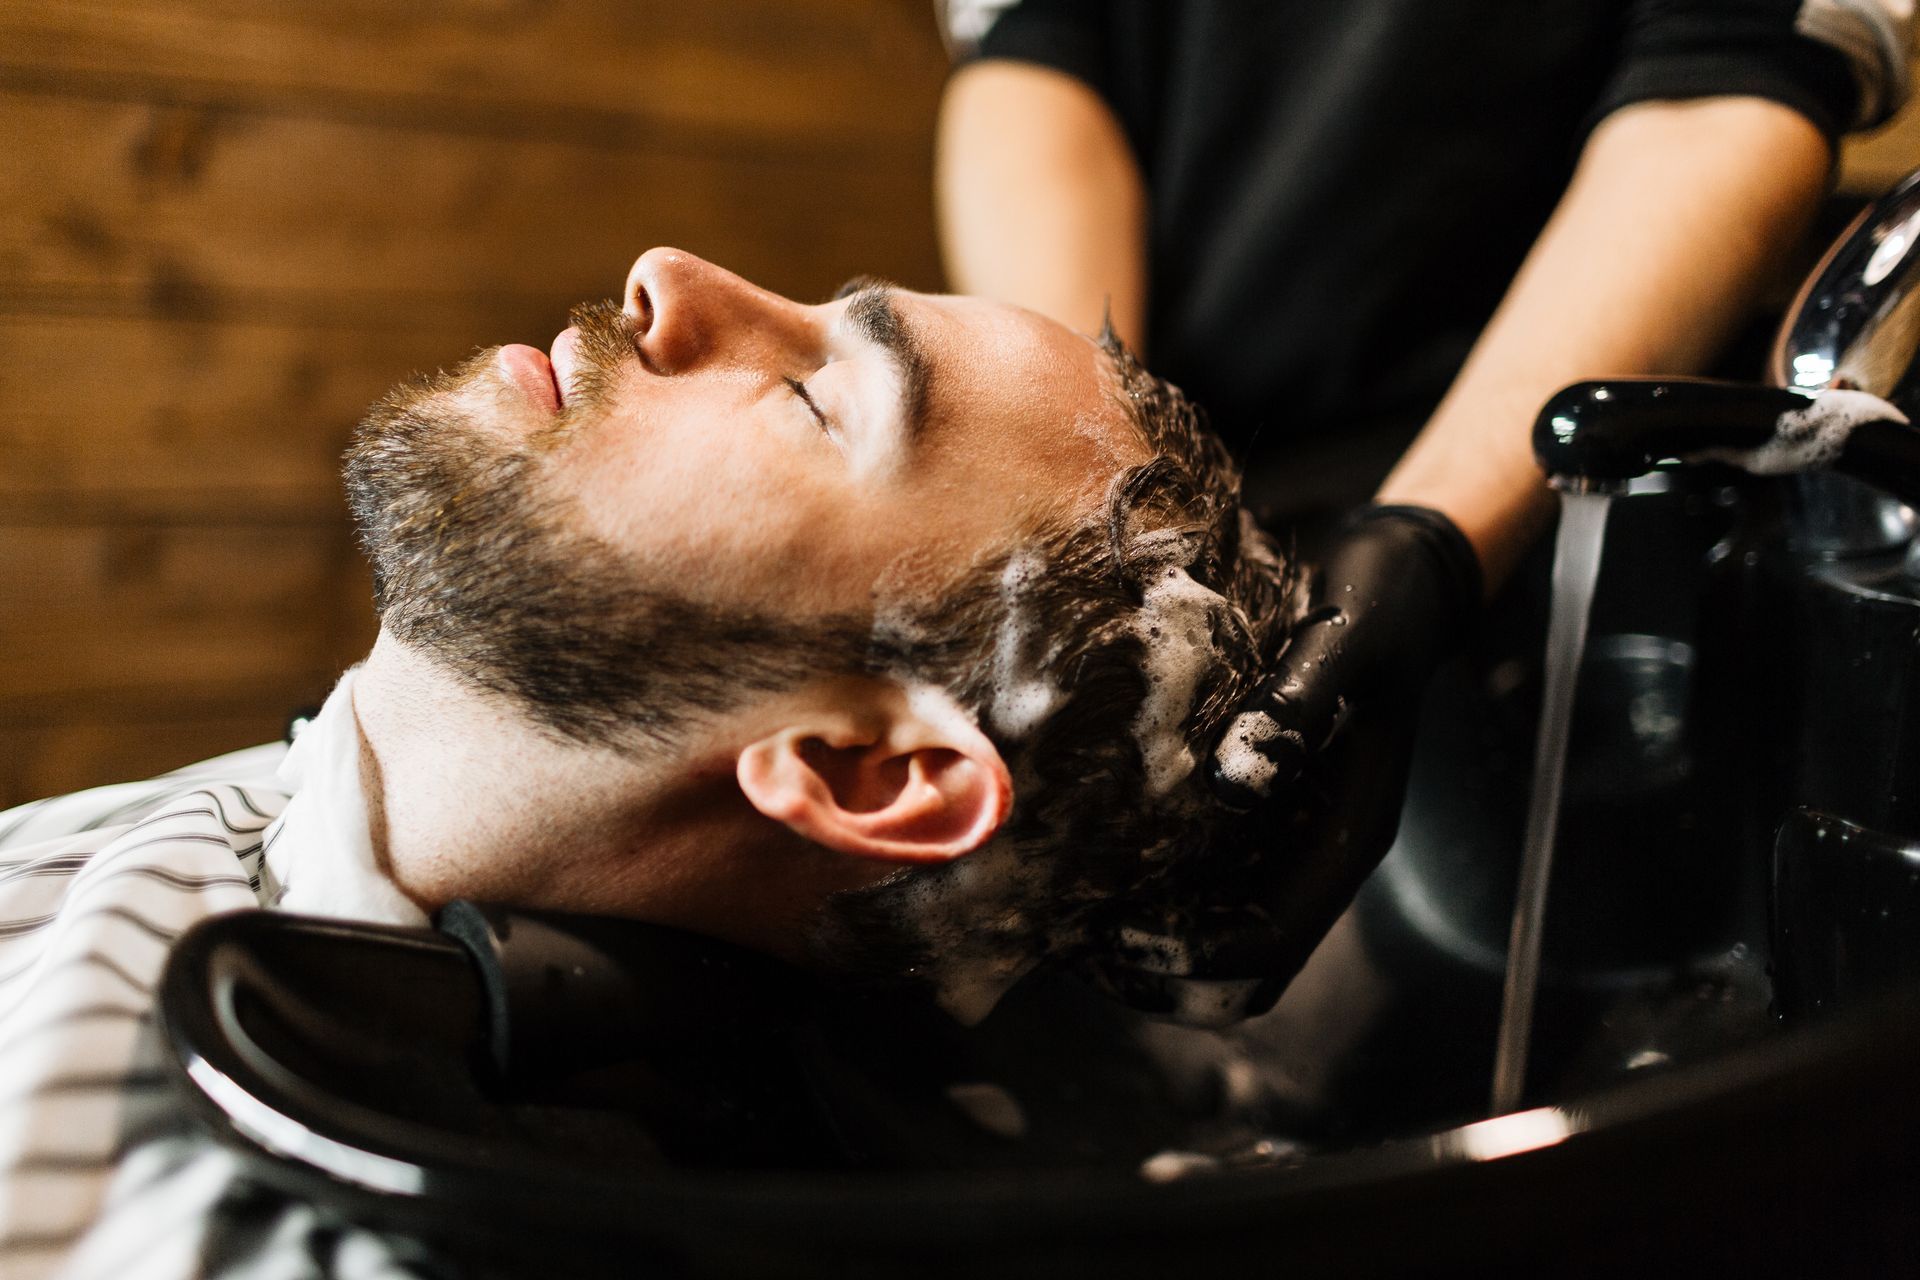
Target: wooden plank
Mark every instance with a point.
(103, 617)
(1870, 165)
(353, 625)
(226, 225)
(52, 759)
(758, 72)
(118, 419)
(159, 715)
(215, 215)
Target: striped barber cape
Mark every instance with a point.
(101, 1173)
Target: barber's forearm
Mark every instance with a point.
(1675, 218)
(1040, 201)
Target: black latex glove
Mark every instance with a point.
(1392, 599)
(1322, 751)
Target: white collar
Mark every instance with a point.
(322, 851)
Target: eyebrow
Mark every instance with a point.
(872, 314)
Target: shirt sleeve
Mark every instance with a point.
(1066, 35)
(1841, 63)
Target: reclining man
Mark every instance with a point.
(882, 635)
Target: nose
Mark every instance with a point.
(690, 312)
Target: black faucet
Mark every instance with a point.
(1596, 436)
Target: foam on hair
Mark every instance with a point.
(1106, 651)
(1020, 696)
(1176, 627)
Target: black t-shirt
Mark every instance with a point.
(1341, 190)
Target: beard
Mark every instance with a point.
(453, 411)
(445, 468)
(486, 566)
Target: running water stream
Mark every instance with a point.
(1576, 566)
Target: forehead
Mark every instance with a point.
(1010, 380)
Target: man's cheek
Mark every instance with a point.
(816, 559)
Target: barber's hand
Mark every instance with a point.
(1321, 753)
(1391, 601)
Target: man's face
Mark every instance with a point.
(750, 450)
(680, 536)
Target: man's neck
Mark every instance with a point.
(468, 799)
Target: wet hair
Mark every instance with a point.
(1091, 823)
(480, 567)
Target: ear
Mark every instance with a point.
(898, 779)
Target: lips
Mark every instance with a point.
(533, 373)
(565, 359)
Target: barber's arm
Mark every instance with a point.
(1676, 216)
(1040, 200)
(1678, 213)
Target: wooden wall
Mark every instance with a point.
(226, 226)
(1872, 163)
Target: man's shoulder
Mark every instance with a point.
(248, 777)
(149, 857)
(94, 888)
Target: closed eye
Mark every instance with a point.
(799, 389)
